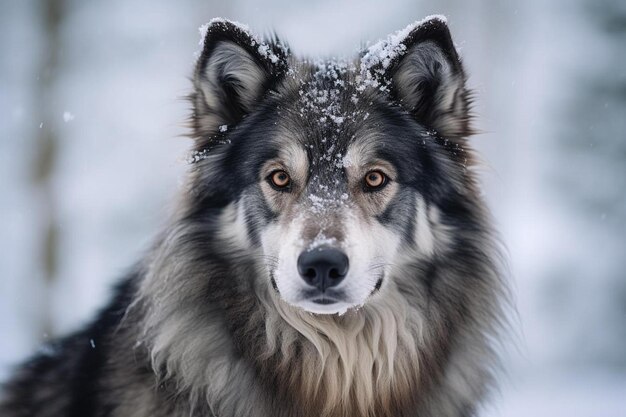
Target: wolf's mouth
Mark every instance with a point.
(330, 294)
(324, 301)
(329, 301)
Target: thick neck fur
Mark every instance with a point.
(364, 363)
(230, 342)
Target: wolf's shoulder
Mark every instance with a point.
(70, 376)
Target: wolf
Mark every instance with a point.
(330, 255)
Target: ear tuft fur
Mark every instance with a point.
(421, 69)
(232, 75)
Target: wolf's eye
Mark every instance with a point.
(280, 180)
(375, 180)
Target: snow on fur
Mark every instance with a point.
(380, 55)
(263, 48)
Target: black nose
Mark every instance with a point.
(323, 267)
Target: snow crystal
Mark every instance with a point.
(321, 240)
(266, 52)
(67, 117)
(337, 119)
(204, 29)
(92, 343)
(223, 128)
(40, 125)
(198, 156)
(346, 161)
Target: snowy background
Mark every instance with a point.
(92, 153)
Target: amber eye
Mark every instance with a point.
(375, 180)
(280, 180)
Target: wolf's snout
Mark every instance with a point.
(323, 267)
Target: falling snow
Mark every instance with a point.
(67, 117)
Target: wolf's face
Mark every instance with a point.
(330, 174)
(333, 198)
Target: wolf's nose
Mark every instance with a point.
(323, 267)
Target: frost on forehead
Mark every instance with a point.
(323, 99)
(320, 96)
(327, 100)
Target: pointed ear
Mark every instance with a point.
(426, 77)
(232, 75)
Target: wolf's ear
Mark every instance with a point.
(232, 75)
(427, 78)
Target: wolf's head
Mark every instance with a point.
(333, 172)
(319, 188)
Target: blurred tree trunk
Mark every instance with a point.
(46, 152)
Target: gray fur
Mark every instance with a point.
(447, 111)
(206, 325)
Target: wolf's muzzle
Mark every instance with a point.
(323, 268)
